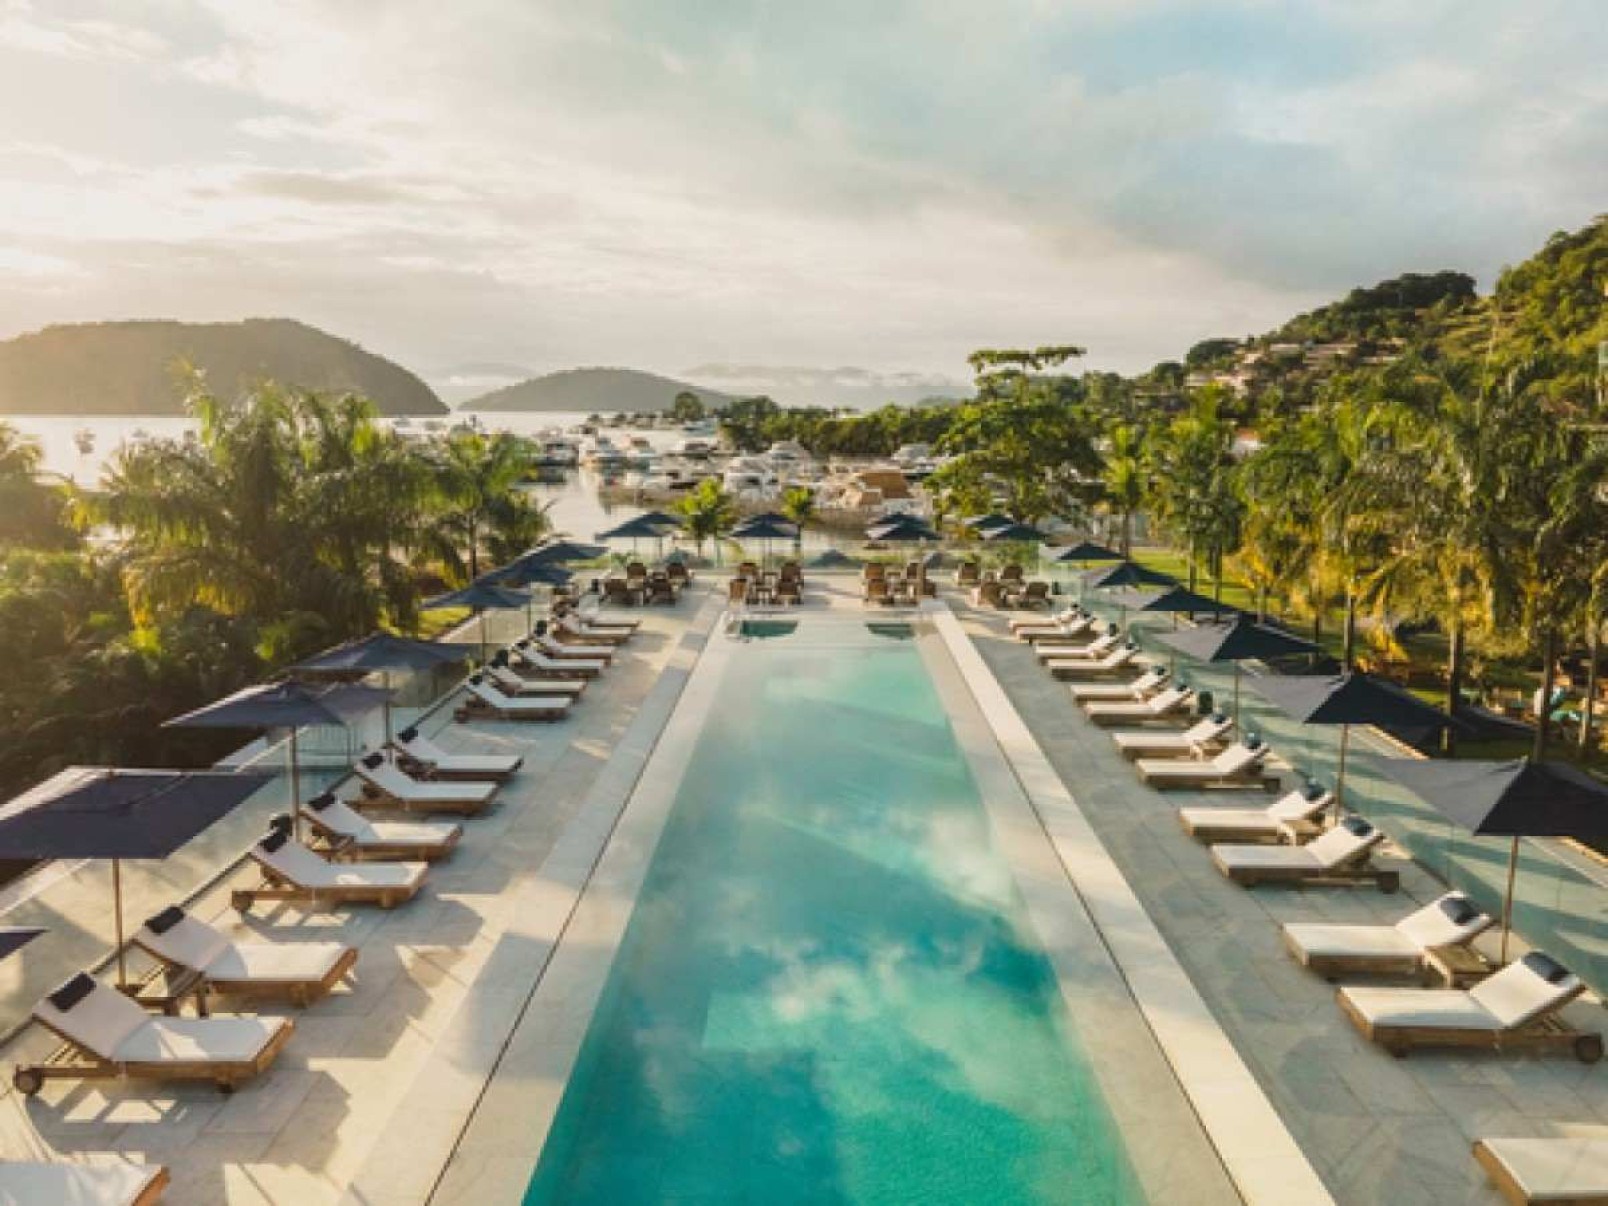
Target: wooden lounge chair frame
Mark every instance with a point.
(1508, 1185)
(1547, 1034)
(297, 992)
(71, 1061)
(1358, 869)
(343, 847)
(276, 887)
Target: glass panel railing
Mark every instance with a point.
(1561, 892)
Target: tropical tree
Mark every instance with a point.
(1124, 481)
(1192, 488)
(708, 512)
(31, 510)
(480, 512)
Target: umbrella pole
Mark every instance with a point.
(385, 681)
(1237, 732)
(485, 646)
(117, 919)
(295, 789)
(1507, 901)
(1340, 775)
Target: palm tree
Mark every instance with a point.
(1442, 483)
(1125, 481)
(708, 512)
(31, 511)
(798, 504)
(480, 511)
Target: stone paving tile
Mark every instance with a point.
(300, 1133)
(1377, 1129)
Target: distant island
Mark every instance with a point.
(609, 391)
(128, 368)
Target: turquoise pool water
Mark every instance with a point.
(829, 990)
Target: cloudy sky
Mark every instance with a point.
(885, 183)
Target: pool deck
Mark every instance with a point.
(1377, 1129)
(332, 1105)
(389, 1092)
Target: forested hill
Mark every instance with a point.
(129, 368)
(594, 391)
(1551, 306)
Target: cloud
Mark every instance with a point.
(887, 184)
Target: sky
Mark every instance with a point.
(880, 183)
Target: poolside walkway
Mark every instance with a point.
(1377, 1129)
(302, 1132)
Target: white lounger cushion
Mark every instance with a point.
(1147, 682)
(279, 962)
(193, 944)
(1291, 808)
(514, 704)
(1515, 995)
(116, 1029)
(425, 750)
(341, 818)
(1059, 619)
(1091, 652)
(390, 780)
(1334, 848)
(535, 657)
(1113, 661)
(575, 625)
(512, 683)
(1190, 741)
(560, 650)
(1555, 1170)
(36, 1183)
(1236, 759)
(294, 862)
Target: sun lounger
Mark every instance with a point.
(57, 1183)
(1514, 1010)
(1400, 949)
(1290, 818)
(1240, 765)
(1200, 740)
(596, 619)
(352, 835)
(1113, 663)
(526, 654)
(1058, 622)
(386, 781)
(1567, 1171)
(1341, 856)
(293, 872)
(420, 753)
(485, 698)
(107, 1036)
(1139, 689)
(1088, 651)
(511, 682)
(297, 971)
(1077, 634)
(568, 651)
(1169, 706)
(570, 627)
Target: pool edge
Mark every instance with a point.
(1262, 1158)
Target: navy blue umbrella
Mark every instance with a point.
(765, 528)
(380, 653)
(1084, 552)
(528, 569)
(1126, 573)
(1014, 533)
(774, 518)
(286, 705)
(1242, 640)
(901, 529)
(661, 519)
(567, 550)
(101, 812)
(1512, 799)
(1345, 700)
(14, 937)
(982, 523)
(483, 596)
(1177, 601)
(833, 559)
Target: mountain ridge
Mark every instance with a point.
(129, 367)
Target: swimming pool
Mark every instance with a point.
(829, 989)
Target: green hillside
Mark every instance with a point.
(128, 368)
(605, 391)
